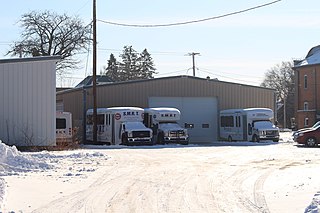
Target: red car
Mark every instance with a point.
(309, 137)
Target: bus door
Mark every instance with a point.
(245, 127)
(113, 137)
(238, 127)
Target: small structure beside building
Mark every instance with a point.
(28, 101)
(307, 95)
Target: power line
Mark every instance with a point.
(229, 77)
(188, 22)
(168, 73)
(211, 72)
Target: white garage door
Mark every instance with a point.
(199, 112)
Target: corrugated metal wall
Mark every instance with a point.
(27, 94)
(136, 93)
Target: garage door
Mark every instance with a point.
(199, 114)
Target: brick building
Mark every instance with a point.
(307, 96)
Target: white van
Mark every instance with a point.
(251, 124)
(119, 125)
(63, 127)
(163, 122)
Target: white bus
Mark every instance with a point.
(63, 127)
(163, 121)
(119, 125)
(251, 124)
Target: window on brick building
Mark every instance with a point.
(305, 106)
(306, 122)
(305, 81)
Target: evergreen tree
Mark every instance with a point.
(146, 65)
(112, 69)
(132, 65)
(129, 65)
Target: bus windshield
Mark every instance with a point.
(263, 124)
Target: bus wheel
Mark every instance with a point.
(124, 140)
(230, 138)
(160, 139)
(255, 138)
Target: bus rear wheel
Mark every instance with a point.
(255, 138)
(160, 139)
(124, 139)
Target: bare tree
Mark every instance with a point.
(47, 33)
(281, 78)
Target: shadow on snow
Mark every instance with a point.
(166, 146)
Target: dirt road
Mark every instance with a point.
(236, 177)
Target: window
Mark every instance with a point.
(100, 119)
(306, 122)
(227, 121)
(305, 106)
(61, 123)
(305, 81)
(238, 121)
(205, 125)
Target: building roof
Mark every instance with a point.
(88, 81)
(312, 58)
(163, 78)
(30, 59)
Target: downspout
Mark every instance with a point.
(84, 115)
(315, 93)
(297, 97)
(275, 112)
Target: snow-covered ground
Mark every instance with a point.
(220, 177)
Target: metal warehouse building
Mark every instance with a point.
(198, 99)
(28, 101)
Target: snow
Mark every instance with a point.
(312, 58)
(162, 178)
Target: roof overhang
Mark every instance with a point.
(30, 59)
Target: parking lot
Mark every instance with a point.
(220, 177)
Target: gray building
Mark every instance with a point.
(198, 99)
(28, 101)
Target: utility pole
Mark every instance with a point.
(193, 63)
(94, 70)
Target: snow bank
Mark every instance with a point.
(314, 207)
(12, 161)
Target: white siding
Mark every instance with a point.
(27, 93)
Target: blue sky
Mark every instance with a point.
(238, 48)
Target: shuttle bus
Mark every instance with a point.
(63, 127)
(163, 121)
(119, 125)
(250, 124)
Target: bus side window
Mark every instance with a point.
(249, 129)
